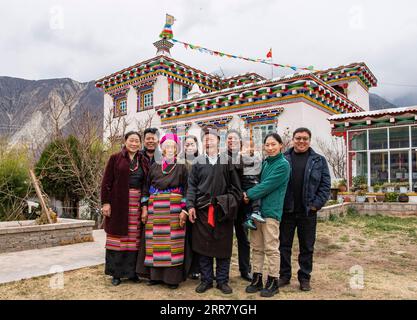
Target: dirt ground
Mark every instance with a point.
(383, 249)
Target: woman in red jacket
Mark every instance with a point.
(120, 197)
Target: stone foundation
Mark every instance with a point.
(26, 235)
(382, 208)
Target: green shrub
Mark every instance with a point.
(352, 212)
(391, 197)
(14, 183)
(331, 203)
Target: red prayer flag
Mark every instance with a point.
(269, 54)
(211, 215)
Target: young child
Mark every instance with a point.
(252, 166)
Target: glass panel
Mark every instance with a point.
(399, 137)
(357, 140)
(121, 107)
(399, 166)
(177, 91)
(358, 165)
(414, 136)
(378, 139)
(379, 168)
(259, 132)
(414, 169)
(222, 145)
(148, 100)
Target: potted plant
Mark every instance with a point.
(403, 197)
(389, 187)
(342, 185)
(361, 193)
(334, 190)
(358, 181)
(379, 195)
(391, 197)
(403, 187)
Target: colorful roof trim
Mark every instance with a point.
(159, 65)
(306, 86)
(261, 115)
(238, 80)
(359, 70)
(373, 119)
(373, 114)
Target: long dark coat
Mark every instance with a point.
(219, 184)
(115, 190)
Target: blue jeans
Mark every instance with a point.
(207, 272)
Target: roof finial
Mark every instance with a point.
(164, 45)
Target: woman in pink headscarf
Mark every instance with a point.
(162, 258)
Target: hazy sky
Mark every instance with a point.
(86, 40)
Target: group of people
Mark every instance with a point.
(171, 213)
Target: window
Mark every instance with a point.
(357, 140)
(399, 166)
(414, 136)
(414, 170)
(379, 168)
(120, 108)
(399, 137)
(259, 132)
(358, 164)
(378, 139)
(146, 100)
(177, 91)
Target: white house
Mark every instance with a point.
(175, 96)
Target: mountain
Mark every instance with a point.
(30, 110)
(376, 102)
(409, 99)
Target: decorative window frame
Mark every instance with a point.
(117, 112)
(141, 99)
(171, 83)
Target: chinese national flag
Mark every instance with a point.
(269, 54)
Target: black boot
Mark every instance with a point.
(116, 281)
(256, 284)
(271, 287)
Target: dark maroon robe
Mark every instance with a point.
(115, 190)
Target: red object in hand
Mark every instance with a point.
(211, 215)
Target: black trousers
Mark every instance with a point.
(306, 233)
(207, 269)
(243, 244)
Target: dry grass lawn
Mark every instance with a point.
(384, 247)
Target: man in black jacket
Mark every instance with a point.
(308, 190)
(213, 196)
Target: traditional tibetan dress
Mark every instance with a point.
(122, 251)
(161, 257)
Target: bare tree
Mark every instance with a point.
(57, 106)
(286, 139)
(335, 153)
(114, 126)
(145, 122)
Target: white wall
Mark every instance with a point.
(356, 93)
(160, 91)
(301, 114)
(108, 110)
(160, 96)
